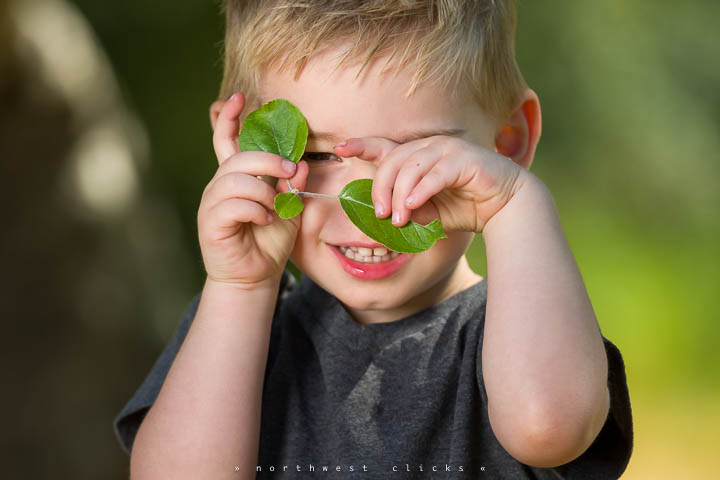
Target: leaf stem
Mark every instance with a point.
(307, 194)
(315, 195)
(290, 187)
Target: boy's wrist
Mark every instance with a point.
(531, 192)
(220, 300)
(270, 284)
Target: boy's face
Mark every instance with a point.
(372, 105)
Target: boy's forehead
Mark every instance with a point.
(339, 104)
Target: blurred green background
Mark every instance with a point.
(106, 148)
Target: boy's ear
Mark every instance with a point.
(518, 137)
(215, 112)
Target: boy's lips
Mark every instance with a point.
(369, 271)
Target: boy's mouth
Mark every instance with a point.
(369, 263)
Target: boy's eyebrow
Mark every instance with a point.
(402, 138)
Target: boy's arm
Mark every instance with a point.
(543, 360)
(206, 418)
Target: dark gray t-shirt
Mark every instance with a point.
(387, 400)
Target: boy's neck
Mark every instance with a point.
(459, 279)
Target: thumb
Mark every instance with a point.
(298, 180)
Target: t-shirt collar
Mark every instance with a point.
(329, 313)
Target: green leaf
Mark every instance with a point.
(277, 127)
(356, 200)
(288, 204)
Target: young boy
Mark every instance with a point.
(376, 362)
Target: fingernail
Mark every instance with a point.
(232, 97)
(379, 209)
(409, 200)
(341, 144)
(288, 166)
(396, 217)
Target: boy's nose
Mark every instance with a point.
(331, 179)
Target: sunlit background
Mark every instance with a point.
(105, 148)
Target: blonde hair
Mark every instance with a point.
(457, 43)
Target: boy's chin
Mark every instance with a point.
(369, 299)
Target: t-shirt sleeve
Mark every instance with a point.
(128, 420)
(608, 455)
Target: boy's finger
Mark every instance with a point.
(257, 163)
(413, 169)
(298, 180)
(429, 185)
(238, 185)
(227, 128)
(366, 148)
(225, 216)
(373, 149)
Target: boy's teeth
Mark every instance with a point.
(368, 255)
(367, 252)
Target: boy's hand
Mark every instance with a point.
(242, 240)
(466, 183)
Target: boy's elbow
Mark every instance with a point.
(546, 445)
(552, 439)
